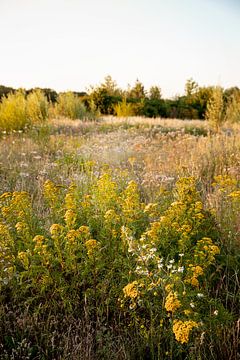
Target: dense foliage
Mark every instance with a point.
(108, 99)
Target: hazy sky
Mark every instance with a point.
(71, 44)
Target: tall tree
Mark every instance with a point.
(155, 93)
(191, 87)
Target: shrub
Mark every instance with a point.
(18, 111)
(37, 106)
(124, 109)
(13, 112)
(71, 106)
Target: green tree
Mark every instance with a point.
(154, 93)
(137, 91)
(106, 95)
(191, 87)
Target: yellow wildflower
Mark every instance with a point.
(20, 226)
(56, 229)
(172, 303)
(91, 246)
(23, 257)
(168, 287)
(70, 218)
(130, 290)
(182, 330)
(72, 236)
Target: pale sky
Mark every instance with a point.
(72, 44)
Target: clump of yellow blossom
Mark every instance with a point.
(182, 329)
(40, 248)
(70, 218)
(21, 226)
(55, 230)
(91, 246)
(70, 198)
(131, 291)
(24, 258)
(172, 303)
(195, 271)
(51, 193)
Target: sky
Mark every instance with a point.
(72, 44)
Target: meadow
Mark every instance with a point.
(119, 239)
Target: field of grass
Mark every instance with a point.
(120, 239)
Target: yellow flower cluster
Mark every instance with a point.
(172, 303)
(195, 271)
(111, 217)
(21, 227)
(105, 191)
(235, 195)
(40, 248)
(224, 182)
(70, 198)
(70, 218)
(6, 253)
(51, 193)
(24, 259)
(131, 201)
(72, 236)
(56, 230)
(205, 251)
(15, 206)
(131, 291)
(186, 189)
(182, 329)
(91, 246)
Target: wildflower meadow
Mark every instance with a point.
(119, 238)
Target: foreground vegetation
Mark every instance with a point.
(119, 240)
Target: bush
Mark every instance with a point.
(18, 111)
(124, 109)
(71, 106)
(13, 112)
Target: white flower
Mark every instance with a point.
(171, 261)
(181, 255)
(192, 305)
(215, 312)
(181, 269)
(169, 266)
(199, 295)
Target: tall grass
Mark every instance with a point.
(18, 111)
(71, 106)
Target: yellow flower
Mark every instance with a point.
(235, 194)
(56, 229)
(187, 312)
(182, 329)
(168, 287)
(23, 257)
(172, 303)
(20, 226)
(70, 217)
(130, 290)
(72, 236)
(91, 246)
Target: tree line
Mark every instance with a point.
(108, 98)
